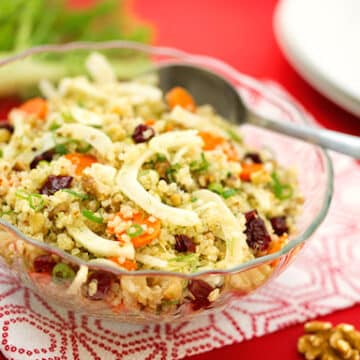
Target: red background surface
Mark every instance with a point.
(240, 33)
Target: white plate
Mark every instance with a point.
(321, 39)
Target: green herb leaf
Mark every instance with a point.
(92, 217)
(76, 194)
(134, 230)
(61, 272)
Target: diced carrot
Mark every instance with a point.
(151, 224)
(179, 96)
(211, 141)
(275, 246)
(248, 170)
(36, 106)
(150, 122)
(81, 161)
(129, 265)
(152, 230)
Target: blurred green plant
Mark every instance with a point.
(27, 23)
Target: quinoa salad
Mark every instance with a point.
(123, 175)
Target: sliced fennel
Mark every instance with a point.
(78, 281)
(96, 138)
(98, 245)
(152, 261)
(100, 69)
(129, 185)
(181, 139)
(85, 117)
(216, 211)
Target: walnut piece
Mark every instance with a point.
(323, 341)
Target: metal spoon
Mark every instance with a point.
(210, 88)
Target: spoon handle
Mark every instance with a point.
(346, 144)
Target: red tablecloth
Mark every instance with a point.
(240, 33)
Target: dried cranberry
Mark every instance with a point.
(250, 215)
(7, 126)
(44, 264)
(143, 133)
(257, 236)
(254, 157)
(103, 281)
(279, 225)
(200, 290)
(184, 243)
(45, 156)
(55, 183)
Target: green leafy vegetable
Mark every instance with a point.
(92, 216)
(201, 165)
(28, 23)
(281, 191)
(62, 272)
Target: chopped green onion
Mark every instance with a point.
(171, 170)
(76, 194)
(84, 149)
(160, 157)
(54, 126)
(216, 188)
(9, 212)
(1, 153)
(92, 217)
(62, 272)
(198, 166)
(281, 191)
(228, 193)
(36, 201)
(61, 149)
(234, 136)
(193, 199)
(219, 189)
(134, 230)
(67, 117)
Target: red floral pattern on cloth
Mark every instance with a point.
(324, 278)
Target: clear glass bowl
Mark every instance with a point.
(131, 303)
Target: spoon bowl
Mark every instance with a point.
(210, 88)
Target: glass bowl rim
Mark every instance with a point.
(200, 60)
